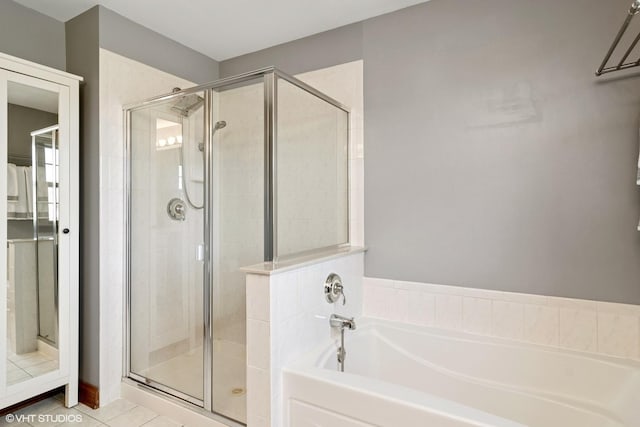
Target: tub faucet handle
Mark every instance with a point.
(344, 298)
(333, 289)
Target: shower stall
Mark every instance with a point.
(244, 170)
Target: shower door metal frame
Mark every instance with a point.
(270, 76)
(270, 138)
(207, 296)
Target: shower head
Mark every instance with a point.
(187, 104)
(219, 125)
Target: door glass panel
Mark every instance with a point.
(166, 238)
(32, 220)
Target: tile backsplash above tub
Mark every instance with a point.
(591, 326)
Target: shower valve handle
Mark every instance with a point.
(333, 289)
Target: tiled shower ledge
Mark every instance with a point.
(269, 268)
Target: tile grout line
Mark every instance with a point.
(147, 422)
(84, 413)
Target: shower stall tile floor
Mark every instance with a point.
(184, 373)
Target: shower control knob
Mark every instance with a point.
(333, 289)
(176, 209)
(65, 231)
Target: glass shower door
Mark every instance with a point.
(166, 247)
(196, 217)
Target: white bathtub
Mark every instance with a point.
(402, 376)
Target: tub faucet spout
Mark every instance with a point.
(342, 322)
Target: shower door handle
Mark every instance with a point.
(200, 252)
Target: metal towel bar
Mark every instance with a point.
(621, 65)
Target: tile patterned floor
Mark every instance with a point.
(21, 367)
(229, 366)
(120, 413)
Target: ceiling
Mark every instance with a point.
(223, 29)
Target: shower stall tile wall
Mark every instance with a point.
(588, 326)
(287, 315)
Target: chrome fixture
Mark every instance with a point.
(622, 65)
(184, 172)
(176, 209)
(187, 104)
(333, 289)
(337, 321)
(219, 125)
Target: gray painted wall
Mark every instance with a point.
(31, 35)
(338, 46)
(127, 38)
(83, 60)
(493, 156)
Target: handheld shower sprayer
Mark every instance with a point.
(219, 125)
